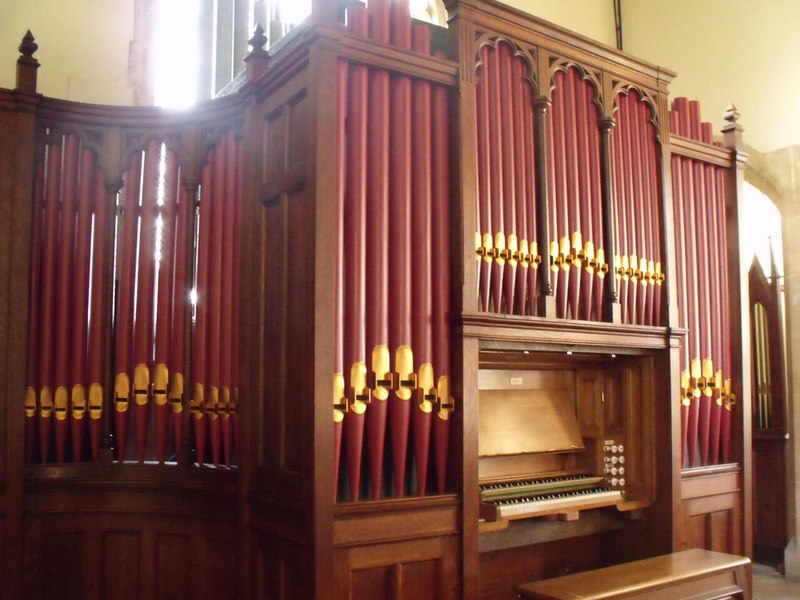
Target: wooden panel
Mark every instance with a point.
(288, 275)
(712, 512)
(219, 576)
(61, 560)
(499, 571)
(420, 580)
(371, 584)
(121, 566)
(590, 411)
(172, 581)
(426, 568)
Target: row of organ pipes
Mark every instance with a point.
(112, 273)
(112, 276)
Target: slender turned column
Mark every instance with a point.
(545, 299)
(611, 309)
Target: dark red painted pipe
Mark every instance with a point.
(202, 335)
(80, 299)
(534, 246)
(400, 277)
(34, 313)
(484, 177)
(179, 306)
(496, 158)
(65, 317)
(440, 217)
(508, 172)
(355, 223)
(230, 322)
(377, 251)
(163, 313)
(99, 307)
(522, 198)
(422, 295)
(338, 311)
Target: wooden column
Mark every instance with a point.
(741, 431)
(611, 307)
(545, 298)
(18, 131)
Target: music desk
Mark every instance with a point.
(691, 574)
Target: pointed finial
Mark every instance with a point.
(257, 60)
(28, 45)
(259, 40)
(731, 114)
(27, 65)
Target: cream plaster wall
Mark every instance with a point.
(591, 18)
(725, 51)
(83, 47)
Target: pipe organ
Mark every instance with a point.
(412, 308)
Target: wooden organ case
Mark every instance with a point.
(434, 265)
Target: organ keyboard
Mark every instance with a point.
(562, 496)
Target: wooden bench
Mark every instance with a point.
(692, 574)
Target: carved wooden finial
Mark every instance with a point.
(259, 40)
(731, 114)
(257, 61)
(28, 45)
(27, 65)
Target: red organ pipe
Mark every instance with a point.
(496, 158)
(585, 198)
(575, 189)
(124, 312)
(621, 257)
(628, 181)
(64, 318)
(377, 289)
(422, 257)
(163, 312)
(179, 302)
(34, 315)
(214, 352)
(704, 285)
(99, 308)
(484, 176)
(637, 204)
(145, 285)
(440, 216)
(400, 255)
(682, 283)
(339, 401)
(355, 223)
(527, 125)
(558, 189)
(48, 295)
(716, 302)
(201, 333)
(228, 350)
(235, 300)
(80, 300)
(522, 198)
(508, 180)
(652, 216)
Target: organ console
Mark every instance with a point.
(561, 437)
